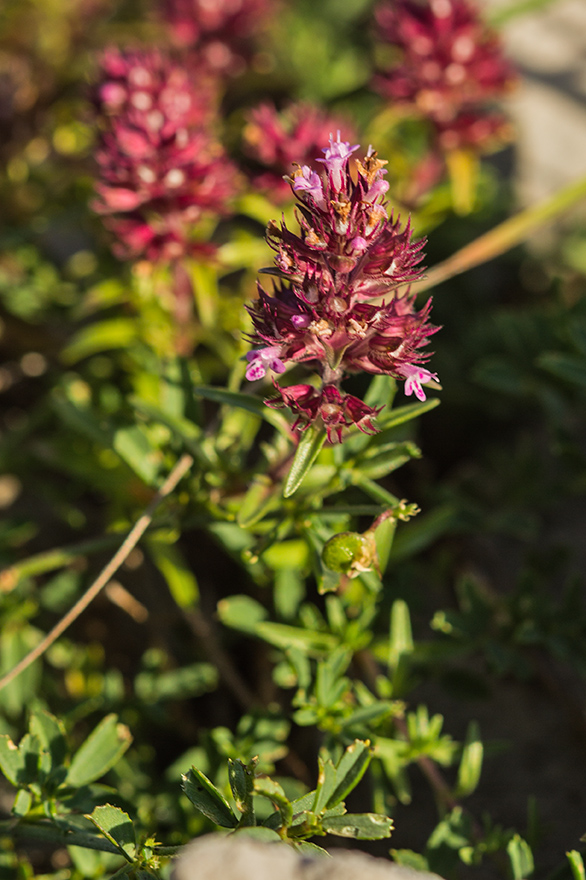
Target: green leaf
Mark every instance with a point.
(20, 764)
(284, 636)
(350, 770)
(409, 859)
(259, 832)
(176, 684)
(206, 798)
(241, 780)
(241, 612)
(11, 760)
(79, 418)
(384, 536)
(381, 391)
(306, 453)
(520, 857)
(261, 497)
(576, 864)
(360, 826)
(326, 784)
(402, 414)
(368, 715)
(401, 636)
(244, 401)
(51, 735)
(307, 848)
(177, 573)
(388, 459)
(103, 336)
(134, 448)
(270, 789)
(185, 431)
(420, 533)
(471, 762)
(17, 639)
(116, 827)
(63, 837)
(101, 750)
(571, 368)
(22, 803)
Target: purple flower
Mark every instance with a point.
(336, 160)
(306, 180)
(261, 360)
(414, 377)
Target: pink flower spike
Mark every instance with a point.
(414, 378)
(336, 156)
(263, 359)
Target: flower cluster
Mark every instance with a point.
(160, 164)
(451, 66)
(336, 303)
(221, 31)
(278, 140)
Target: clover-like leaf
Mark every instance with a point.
(206, 798)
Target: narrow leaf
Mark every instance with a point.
(102, 336)
(134, 448)
(241, 612)
(569, 367)
(520, 858)
(402, 414)
(101, 750)
(244, 401)
(206, 798)
(401, 636)
(504, 236)
(471, 763)
(283, 636)
(306, 453)
(177, 573)
(576, 865)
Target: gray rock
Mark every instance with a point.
(214, 857)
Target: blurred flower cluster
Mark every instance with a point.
(278, 140)
(221, 33)
(326, 308)
(161, 164)
(451, 66)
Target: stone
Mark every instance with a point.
(214, 857)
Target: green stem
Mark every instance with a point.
(504, 236)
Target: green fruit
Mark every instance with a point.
(350, 553)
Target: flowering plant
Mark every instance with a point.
(251, 649)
